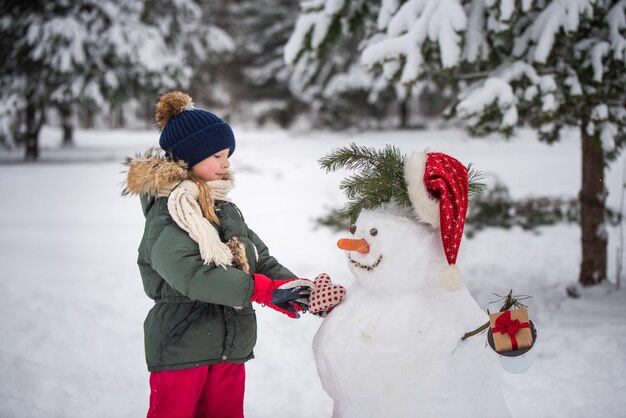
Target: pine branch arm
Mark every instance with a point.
(476, 331)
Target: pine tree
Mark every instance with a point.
(324, 52)
(250, 80)
(548, 64)
(88, 53)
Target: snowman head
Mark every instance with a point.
(388, 251)
(432, 185)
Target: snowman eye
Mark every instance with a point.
(352, 229)
(373, 232)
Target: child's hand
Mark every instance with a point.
(286, 296)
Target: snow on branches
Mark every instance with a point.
(538, 40)
(91, 52)
(546, 63)
(415, 23)
(312, 27)
(497, 92)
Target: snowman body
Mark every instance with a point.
(392, 348)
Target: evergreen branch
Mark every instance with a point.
(475, 185)
(380, 178)
(336, 219)
(352, 157)
(355, 186)
(483, 75)
(510, 301)
(478, 330)
(369, 190)
(350, 213)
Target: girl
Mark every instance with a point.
(202, 266)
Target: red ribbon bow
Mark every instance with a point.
(506, 325)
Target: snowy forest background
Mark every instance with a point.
(531, 91)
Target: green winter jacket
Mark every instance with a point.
(193, 321)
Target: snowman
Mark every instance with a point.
(393, 347)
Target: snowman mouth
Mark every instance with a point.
(367, 267)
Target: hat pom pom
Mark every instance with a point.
(450, 278)
(171, 104)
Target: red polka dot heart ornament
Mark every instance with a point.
(326, 296)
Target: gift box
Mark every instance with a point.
(511, 330)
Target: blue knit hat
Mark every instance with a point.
(188, 133)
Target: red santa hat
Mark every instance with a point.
(438, 189)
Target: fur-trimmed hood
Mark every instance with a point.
(154, 175)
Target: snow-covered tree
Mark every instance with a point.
(324, 52)
(249, 81)
(90, 53)
(549, 64)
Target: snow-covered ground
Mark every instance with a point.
(72, 306)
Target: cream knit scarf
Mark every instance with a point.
(184, 208)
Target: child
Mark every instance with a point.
(203, 267)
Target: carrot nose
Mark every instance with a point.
(359, 245)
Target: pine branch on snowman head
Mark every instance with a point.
(380, 178)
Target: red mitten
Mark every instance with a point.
(285, 296)
(326, 295)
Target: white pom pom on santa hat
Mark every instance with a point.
(425, 206)
(438, 188)
(450, 278)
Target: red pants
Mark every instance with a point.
(214, 391)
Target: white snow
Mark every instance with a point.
(496, 90)
(9, 110)
(73, 304)
(616, 20)
(476, 46)
(320, 30)
(493, 91)
(390, 69)
(608, 131)
(506, 9)
(446, 22)
(415, 22)
(557, 15)
(315, 21)
(332, 7)
(218, 40)
(510, 116)
(548, 103)
(598, 52)
(600, 113)
(387, 9)
(304, 24)
(354, 79)
(573, 83)
(403, 20)
(547, 84)
(531, 92)
(526, 5)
